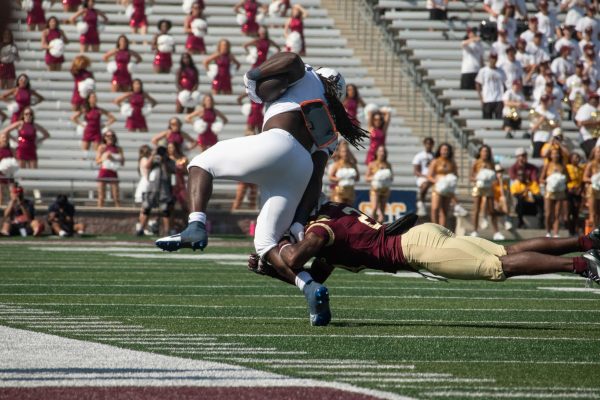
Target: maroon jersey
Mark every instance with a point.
(355, 241)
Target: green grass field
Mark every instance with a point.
(525, 338)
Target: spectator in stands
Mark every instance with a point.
(8, 55)
(575, 11)
(6, 153)
(181, 162)
(586, 40)
(110, 158)
(566, 39)
(344, 174)
(528, 65)
(525, 188)
(173, 134)
(121, 79)
(144, 154)
(92, 124)
(438, 9)
(538, 49)
(61, 218)
(441, 198)
(420, 163)
(194, 43)
(557, 95)
(163, 60)
(352, 101)
(493, 8)
(138, 20)
(159, 194)
(500, 46)
(378, 124)
(547, 21)
(575, 171)
(591, 176)
(19, 216)
(529, 34)
(209, 114)
(23, 95)
(255, 118)
(223, 57)
(295, 24)
(587, 21)
(506, 22)
(250, 7)
(52, 32)
(187, 78)
(502, 197)
(379, 175)
(90, 38)
(543, 121)
(591, 63)
(262, 45)
(27, 140)
(513, 70)
(588, 121)
(483, 174)
(472, 59)
(513, 101)
(36, 17)
(79, 70)
(562, 67)
(554, 176)
(490, 87)
(136, 121)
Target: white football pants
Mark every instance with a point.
(276, 162)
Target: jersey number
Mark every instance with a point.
(364, 219)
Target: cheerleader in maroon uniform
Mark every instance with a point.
(223, 58)
(79, 70)
(187, 79)
(296, 24)
(179, 189)
(137, 98)
(194, 44)
(138, 21)
(8, 55)
(90, 39)
(352, 101)
(5, 152)
(71, 5)
(379, 122)
(27, 141)
(173, 134)
(250, 27)
(52, 32)
(121, 79)
(164, 45)
(92, 124)
(110, 158)
(36, 18)
(262, 45)
(207, 113)
(23, 95)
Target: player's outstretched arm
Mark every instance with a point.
(288, 259)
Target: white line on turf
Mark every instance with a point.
(571, 289)
(378, 374)
(520, 395)
(461, 380)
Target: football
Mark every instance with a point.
(271, 88)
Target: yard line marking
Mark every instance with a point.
(275, 352)
(189, 349)
(377, 374)
(457, 380)
(534, 395)
(502, 362)
(342, 366)
(571, 289)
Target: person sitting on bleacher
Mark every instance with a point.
(472, 59)
(587, 21)
(490, 87)
(525, 188)
(506, 22)
(544, 120)
(61, 215)
(512, 67)
(19, 216)
(566, 39)
(513, 101)
(562, 67)
(547, 21)
(438, 9)
(588, 121)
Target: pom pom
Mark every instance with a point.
(46, 5)
(187, 6)
(80, 130)
(200, 126)
(27, 5)
(369, 109)
(596, 181)
(275, 8)
(556, 183)
(147, 110)
(260, 18)
(252, 55)
(241, 18)
(111, 165)
(446, 185)
(199, 27)
(9, 166)
(82, 27)
(8, 54)
(382, 179)
(246, 108)
(484, 179)
(131, 67)
(126, 110)
(185, 99)
(294, 42)
(129, 11)
(86, 86)
(217, 127)
(212, 70)
(165, 43)
(196, 96)
(56, 47)
(346, 176)
(111, 67)
(12, 107)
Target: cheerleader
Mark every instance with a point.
(5, 153)
(574, 191)
(443, 191)
(379, 121)
(208, 114)
(591, 176)
(144, 153)
(36, 18)
(352, 101)
(92, 124)
(27, 140)
(295, 24)
(8, 55)
(173, 134)
(179, 190)
(483, 175)
(254, 122)
(555, 176)
(90, 38)
(136, 98)
(250, 27)
(121, 79)
(163, 59)
(110, 158)
(344, 174)
(221, 83)
(49, 34)
(79, 70)
(138, 20)
(187, 79)
(379, 175)
(23, 95)
(195, 39)
(262, 45)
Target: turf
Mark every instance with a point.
(399, 334)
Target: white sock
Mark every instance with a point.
(86, 154)
(302, 279)
(197, 216)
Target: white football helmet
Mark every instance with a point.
(336, 77)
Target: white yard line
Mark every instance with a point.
(509, 395)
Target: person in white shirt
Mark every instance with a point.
(562, 67)
(567, 40)
(591, 63)
(578, 96)
(547, 21)
(574, 81)
(587, 39)
(537, 49)
(499, 46)
(588, 124)
(543, 76)
(575, 11)
(589, 20)
(528, 65)
(490, 87)
(472, 59)
(530, 33)
(420, 164)
(437, 9)
(512, 67)
(513, 101)
(506, 21)
(493, 8)
(542, 124)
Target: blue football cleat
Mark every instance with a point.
(193, 237)
(317, 297)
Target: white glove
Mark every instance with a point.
(297, 231)
(250, 85)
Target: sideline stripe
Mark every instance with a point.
(530, 395)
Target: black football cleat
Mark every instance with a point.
(193, 237)
(592, 273)
(595, 237)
